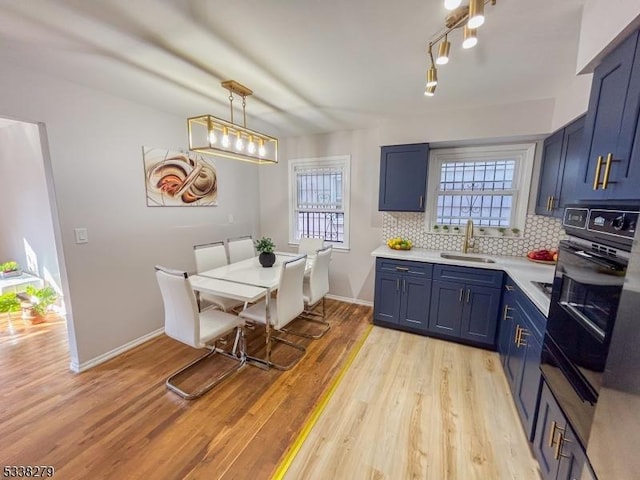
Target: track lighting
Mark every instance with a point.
(468, 17)
(443, 52)
(469, 38)
(476, 13)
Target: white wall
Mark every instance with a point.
(352, 273)
(25, 211)
(604, 24)
(572, 101)
(95, 143)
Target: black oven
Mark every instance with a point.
(587, 285)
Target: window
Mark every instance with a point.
(487, 184)
(319, 200)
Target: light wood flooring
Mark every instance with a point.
(409, 407)
(412, 407)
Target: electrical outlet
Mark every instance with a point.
(82, 236)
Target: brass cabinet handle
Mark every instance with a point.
(421, 201)
(505, 312)
(402, 269)
(521, 342)
(404, 285)
(549, 203)
(468, 294)
(596, 179)
(397, 285)
(552, 434)
(517, 337)
(558, 451)
(509, 288)
(607, 171)
(460, 297)
(552, 199)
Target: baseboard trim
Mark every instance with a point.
(350, 300)
(77, 368)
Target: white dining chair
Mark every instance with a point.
(240, 248)
(183, 322)
(309, 246)
(209, 256)
(314, 290)
(289, 304)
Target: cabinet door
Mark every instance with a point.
(514, 359)
(528, 385)
(505, 322)
(573, 154)
(549, 426)
(387, 297)
(573, 460)
(414, 303)
(403, 178)
(480, 314)
(445, 314)
(611, 120)
(549, 173)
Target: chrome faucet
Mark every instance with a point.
(468, 237)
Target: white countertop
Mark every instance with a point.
(521, 270)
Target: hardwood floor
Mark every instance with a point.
(412, 407)
(118, 420)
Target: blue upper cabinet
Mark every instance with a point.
(610, 127)
(403, 177)
(562, 158)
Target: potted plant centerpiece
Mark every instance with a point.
(265, 247)
(10, 269)
(9, 303)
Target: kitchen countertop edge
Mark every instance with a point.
(519, 269)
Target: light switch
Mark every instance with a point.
(81, 235)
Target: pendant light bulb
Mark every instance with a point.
(225, 137)
(432, 76)
(212, 137)
(251, 147)
(261, 150)
(452, 4)
(239, 142)
(470, 39)
(476, 13)
(443, 52)
(430, 91)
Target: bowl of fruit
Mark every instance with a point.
(399, 243)
(543, 255)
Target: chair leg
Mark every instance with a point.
(261, 362)
(212, 351)
(311, 316)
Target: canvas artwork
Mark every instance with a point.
(176, 179)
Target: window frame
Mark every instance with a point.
(522, 153)
(343, 161)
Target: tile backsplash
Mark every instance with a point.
(539, 232)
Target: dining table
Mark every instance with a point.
(247, 281)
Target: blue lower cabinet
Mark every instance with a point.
(556, 446)
(464, 312)
(402, 294)
(520, 346)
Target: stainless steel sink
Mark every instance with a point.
(466, 258)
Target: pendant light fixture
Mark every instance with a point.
(468, 17)
(213, 136)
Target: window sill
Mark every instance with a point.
(336, 248)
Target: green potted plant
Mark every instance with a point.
(436, 229)
(515, 231)
(41, 300)
(456, 229)
(10, 269)
(481, 230)
(501, 231)
(9, 303)
(445, 228)
(265, 247)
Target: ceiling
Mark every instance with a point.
(314, 65)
